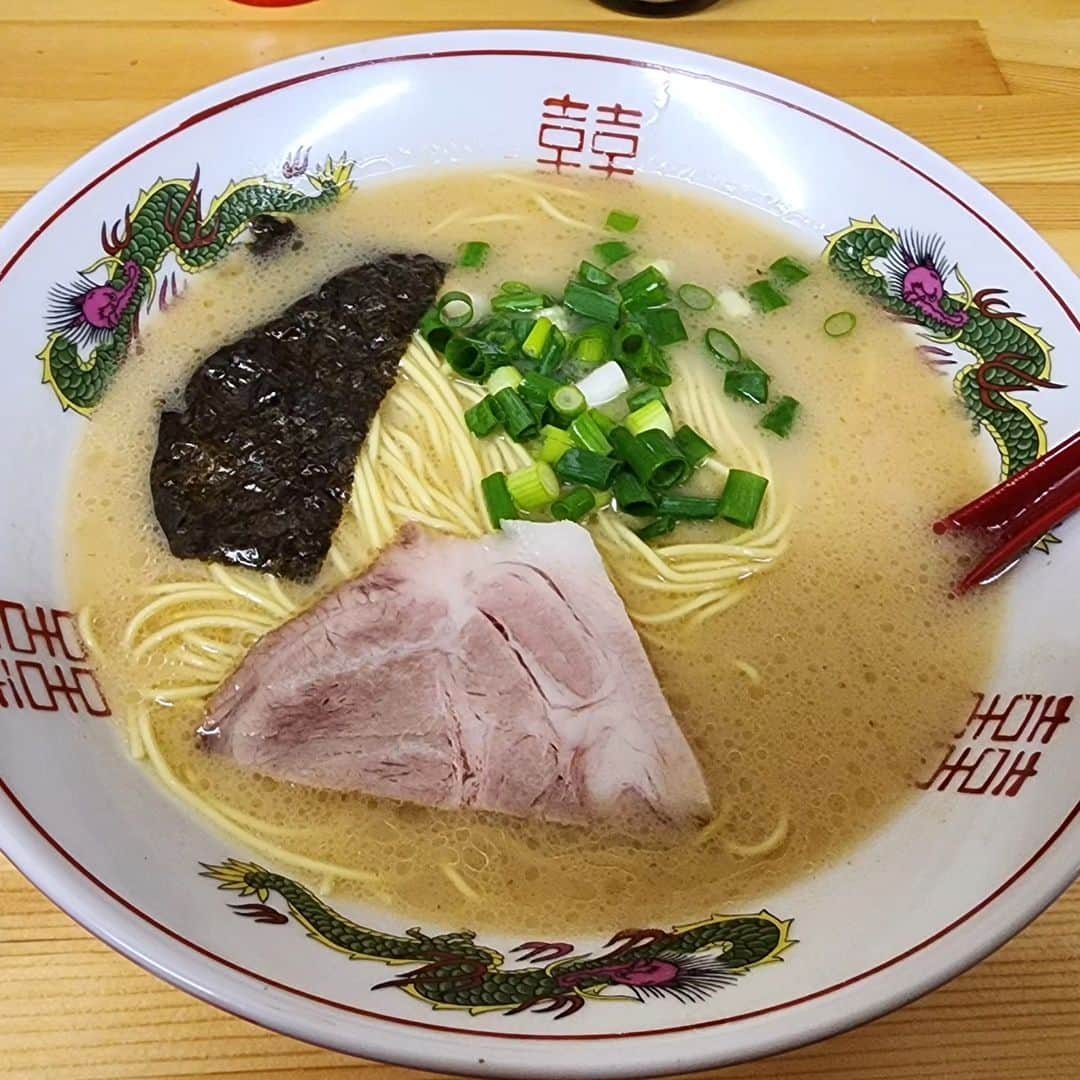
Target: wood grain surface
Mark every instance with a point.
(993, 85)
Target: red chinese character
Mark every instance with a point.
(615, 141)
(619, 116)
(564, 108)
(77, 686)
(1021, 769)
(1051, 721)
(565, 139)
(973, 777)
(52, 628)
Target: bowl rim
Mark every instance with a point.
(107, 915)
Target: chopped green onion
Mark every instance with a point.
(533, 487)
(741, 497)
(482, 419)
(612, 251)
(518, 418)
(694, 448)
(695, 297)
(655, 529)
(497, 499)
(573, 504)
(747, 382)
(664, 325)
(592, 347)
(582, 300)
(591, 275)
(579, 466)
(646, 289)
(788, 271)
(537, 340)
(603, 421)
(689, 507)
(556, 443)
(518, 301)
(502, 377)
(604, 384)
(587, 434)
(643, 397)
(765, 296)
(621, 221)
(653, 455)
(536, 389)
(723, 346)
(567, 401)
(640, 357)
(839, 323)
(462, 313)
(780, 418)
(515, 288)
(473, 254)
(651, 415)
(553, 352)
(434, 332)
(632, 496)
(466, 359)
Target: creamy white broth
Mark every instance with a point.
(812, 703)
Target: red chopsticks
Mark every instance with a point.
(1019, 511)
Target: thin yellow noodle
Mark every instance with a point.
(242, 818)
(671, 588)
(384, 526)
(448, 220)
(536, 185)
(707, 832)
(217, 619)
(169, 587)
(459, 882)
(256, 594)
(766, 847)
(406, 513)
(491, 219)
(733, 596)
(169, 695)
(273, 586)
(202, 663)
(185, 596)
(340, 564)
(192, 798)
(659, 618)
(83, 623)
(553, 211)
(748, 670)
(209, 645)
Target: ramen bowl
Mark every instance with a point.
(990, 834)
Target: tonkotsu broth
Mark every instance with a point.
(820, 697)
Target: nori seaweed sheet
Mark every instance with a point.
(269, 234)
(256, 469)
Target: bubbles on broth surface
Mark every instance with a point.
(862, 664)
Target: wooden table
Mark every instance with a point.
(992, 84)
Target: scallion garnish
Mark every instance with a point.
(466, 359)
(434, 332)
(555, 443)
(621, 221)
(643, 397)
(573, 504)
(747, 382)
(741, 498)
(552, 357)
(502, 377)
(603, 421)
(497, 499)
(534, 487)
(765, 296)
(640, 357)
(612, 251)
(723, 346)
(568, 402)
(592, 347)
(591, 304)
(694, 448)
(788, 271)
(579, 466)
(591, 275)
(528, 301)
(536, 389)
(517, 417)
(587, 434)
(473, 254)
(696, 297)
(482, 419)
(632, 496)
(688, 507)
(651, 415)
(646, 289)
(653, 455)
(664, 325)
(780, 418)
(655, 529)
(839, 323)
(515, 288)
(537, 340)
(455, 309)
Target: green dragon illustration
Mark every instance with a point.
(167, 218)
(451, 971)
(1010, 356)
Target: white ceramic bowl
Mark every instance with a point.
(975, 856)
